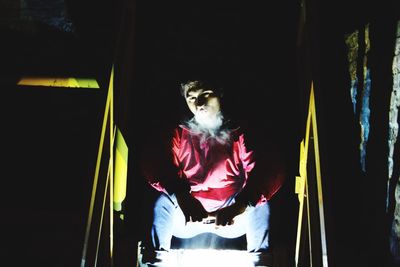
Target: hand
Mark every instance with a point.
(225, 216)
(191, 207)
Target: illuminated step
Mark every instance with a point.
(207, 257)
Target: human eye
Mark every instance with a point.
(191, 98)
(208, 93)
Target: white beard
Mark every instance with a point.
(209, 127)
(207, 122)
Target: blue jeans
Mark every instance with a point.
(169, 220)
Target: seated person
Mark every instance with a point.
(210, 181)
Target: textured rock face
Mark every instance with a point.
(352, 41)
(352, 46)
(393, 132)
(365, 110)
(25, 15)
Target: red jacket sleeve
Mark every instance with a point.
(267, 173)
(159, 164)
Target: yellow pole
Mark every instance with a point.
(95, 181)
(319, 180)
(111, 85)
(301, 183)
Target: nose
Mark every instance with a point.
(201, 101)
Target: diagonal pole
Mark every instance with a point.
(97, 170)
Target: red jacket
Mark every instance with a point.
(214, 171)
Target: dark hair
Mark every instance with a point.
(198, 84)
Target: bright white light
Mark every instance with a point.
(209, 258)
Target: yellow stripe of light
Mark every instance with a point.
(59, 82)
(120, 171)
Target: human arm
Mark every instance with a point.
(191, 207)
(264, 168)
(264, 180)
(163, 172)
(159, 162)
(226, 215)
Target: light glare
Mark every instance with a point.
(209, 258)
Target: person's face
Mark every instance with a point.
(203, 102)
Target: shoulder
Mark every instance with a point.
(181, 129)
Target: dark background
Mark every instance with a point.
(51, 135)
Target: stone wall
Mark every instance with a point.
(393, 133)
(27, 15)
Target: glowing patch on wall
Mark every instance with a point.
(59, 82)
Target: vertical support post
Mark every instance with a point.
(107, 118)
(111, 181)
(311, 191)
